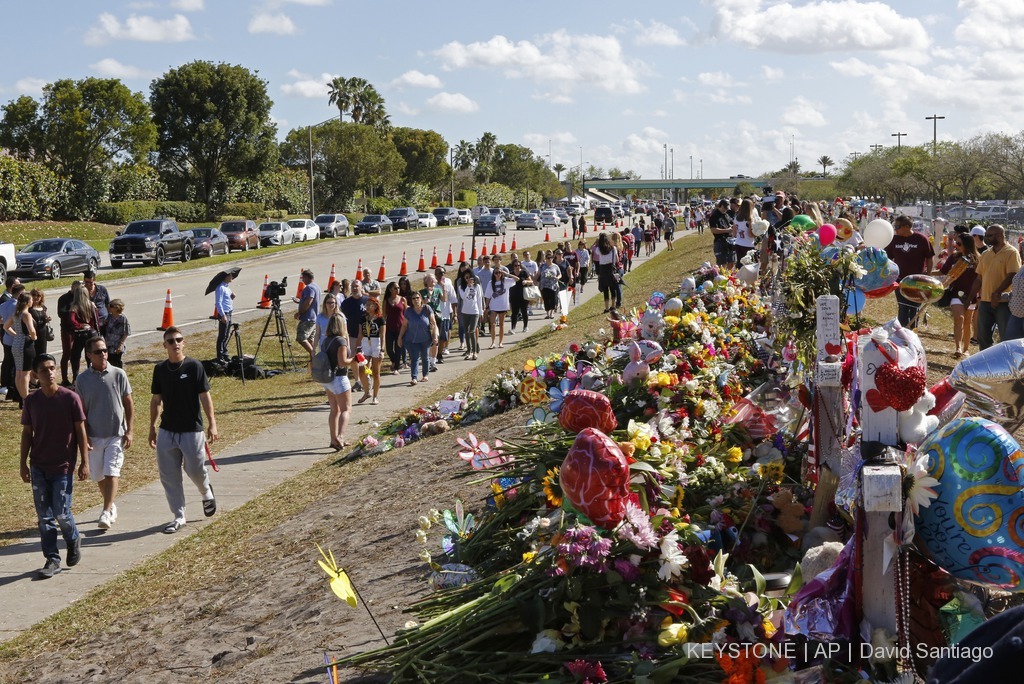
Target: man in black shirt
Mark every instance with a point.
(181, 387)
(721, 228)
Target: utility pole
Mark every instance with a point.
(934, 118)
(899, 140)
(691, 167)
(451, 162)
(876, 148)
(855, 155)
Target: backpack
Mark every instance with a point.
(323, 364)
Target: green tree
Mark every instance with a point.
(558, 169)
(214, 124)
(79, 130)
(465, 155)
(425, 154)
(485, 149)
(825, 161)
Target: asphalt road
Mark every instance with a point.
(144, 297)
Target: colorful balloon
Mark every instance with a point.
(803, 222)
(855, 301)
(974, 527)
(582, 409)
(993, 381)
(881, 272)
(827, 234)
(595, 478)
(844, 229)
(949, 401)
(673, 307)
(878, 233)
(921, 288)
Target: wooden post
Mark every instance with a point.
(828, 407)
(881, 488)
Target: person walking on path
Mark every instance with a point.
(498, 291)
(106, 396)
(98, 295)
(7, 307)
(309, 305)
(394, 314)
(960, 274)
(85, 323)
(374, 329)
(339, 390)
(181, 387)
(328, 308)
(996, 269)
(67, 335)
(418, 334)
(41, 320)
(471, 297)
(913, 253)
(550, 284)
(223, 301)
(53, 439)
(22, 332)
(606, 260)
(449, 300)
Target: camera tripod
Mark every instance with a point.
(234, 334)
(281, 333)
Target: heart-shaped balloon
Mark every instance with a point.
(582, 409)
(974, 528)
(901, 388)
(595, 477)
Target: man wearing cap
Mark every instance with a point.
(978, 233)
(309, 305)
(996, 269)
(913, 253)
(53, 438)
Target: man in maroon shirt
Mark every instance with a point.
(53, 437)
(913, 253)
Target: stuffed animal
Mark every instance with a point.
(639, 367)
(652, 325)
(687, 288)
(434, 428)
(916, 424)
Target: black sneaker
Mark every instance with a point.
(74, 552)
(210, 505)
(51, 568)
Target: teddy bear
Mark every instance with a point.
(652, 325)
(436, 427)
(916, 424)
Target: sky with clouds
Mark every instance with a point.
(739, 86)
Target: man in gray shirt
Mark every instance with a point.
(109, 421)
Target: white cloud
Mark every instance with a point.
(991, 23)
(819, 26)
(772, 74)
(802, 112)
(305, 85)
(417, 79)
(140, 28)
(453, 102)
(188, 5)
(654, 33)
(309, 3)
(409, 110)
(567, 60)
(30, 86)
(553, 98)
(111, 68)
(279, 24)
(729, 98)
(720, 79)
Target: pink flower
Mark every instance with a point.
(480, 454)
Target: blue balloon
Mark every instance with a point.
(881, 271)
(855, 301)
(974, 528)
(830, 253)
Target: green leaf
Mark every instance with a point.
(796, 582)
(759, 581)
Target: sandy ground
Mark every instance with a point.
(275, 626)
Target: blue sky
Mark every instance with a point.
(741, 84)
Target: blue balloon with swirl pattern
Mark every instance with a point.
(974, 529)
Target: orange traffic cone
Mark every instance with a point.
(547, 235)
(168, 320)
(216, 314)
(264, 302)
(514, 243)
(565, 233)
(301, 286)
(381, 274)
(474, 253)
(462, 253)
(422, 266)
(494, 247)
(403, 270)
(503, 250)
(449, 261)
(359, 270)
(330, 281)
(433, 260)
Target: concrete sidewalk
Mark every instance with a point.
(247, 469)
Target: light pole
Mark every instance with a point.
(665, 147)
(899, 140)
(691, 167)
(934, 118)
(312, 210)
(702, 168)
(451, 163)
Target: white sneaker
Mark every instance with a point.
(104, 521)
(113, 513)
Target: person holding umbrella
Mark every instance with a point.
(224, 305)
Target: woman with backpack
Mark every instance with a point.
(339, 389)
(419, 332)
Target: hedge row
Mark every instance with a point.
(30, 192)
(120, 213)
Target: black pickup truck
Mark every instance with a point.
(151, 242)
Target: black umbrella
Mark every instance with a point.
(219, 278)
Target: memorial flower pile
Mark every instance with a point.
(625, 536)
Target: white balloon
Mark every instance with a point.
(878, 234)
(748, 274)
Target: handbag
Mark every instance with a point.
(48, 332)
(531, 293)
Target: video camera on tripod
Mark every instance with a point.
(276, 290)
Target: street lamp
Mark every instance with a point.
(934, 118)
(312, 209)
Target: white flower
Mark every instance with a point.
(424, 556)
(547, 642)
(922, 490)
(857, 270)
(711, 409)
(672, 559)
(424, 522)
(421, 536)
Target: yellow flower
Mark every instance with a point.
(672, 634)
(773, 471)
(769, 628)
(528, 556)
(552, 491)
(734, 455)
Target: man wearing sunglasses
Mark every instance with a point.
(180, 385)
(109, 421)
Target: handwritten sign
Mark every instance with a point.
(828, 374)
(830, 341)
(449, 406)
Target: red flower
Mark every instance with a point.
(674, 598)
(586, 672)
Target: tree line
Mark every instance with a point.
(204, 135)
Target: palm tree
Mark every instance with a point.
(558, 169)
(485, 149)
(465, 153)
(374, 113)
(825, 161)
(792, 168)
(354, 95)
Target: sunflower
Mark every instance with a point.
(552, 490)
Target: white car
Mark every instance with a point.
(276, 233)
(304, 229)
(549, 217)
(466, 217)
(427, 220)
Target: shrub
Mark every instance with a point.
(379, 205)
(249, 210)
(278, 214)
(120, 213)
(31, 192)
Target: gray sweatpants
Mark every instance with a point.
(177, 449)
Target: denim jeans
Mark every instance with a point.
(1014, 328)
(223, 327)
(417, 355)
(52, 495)
(992, 316)
(907, 310)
